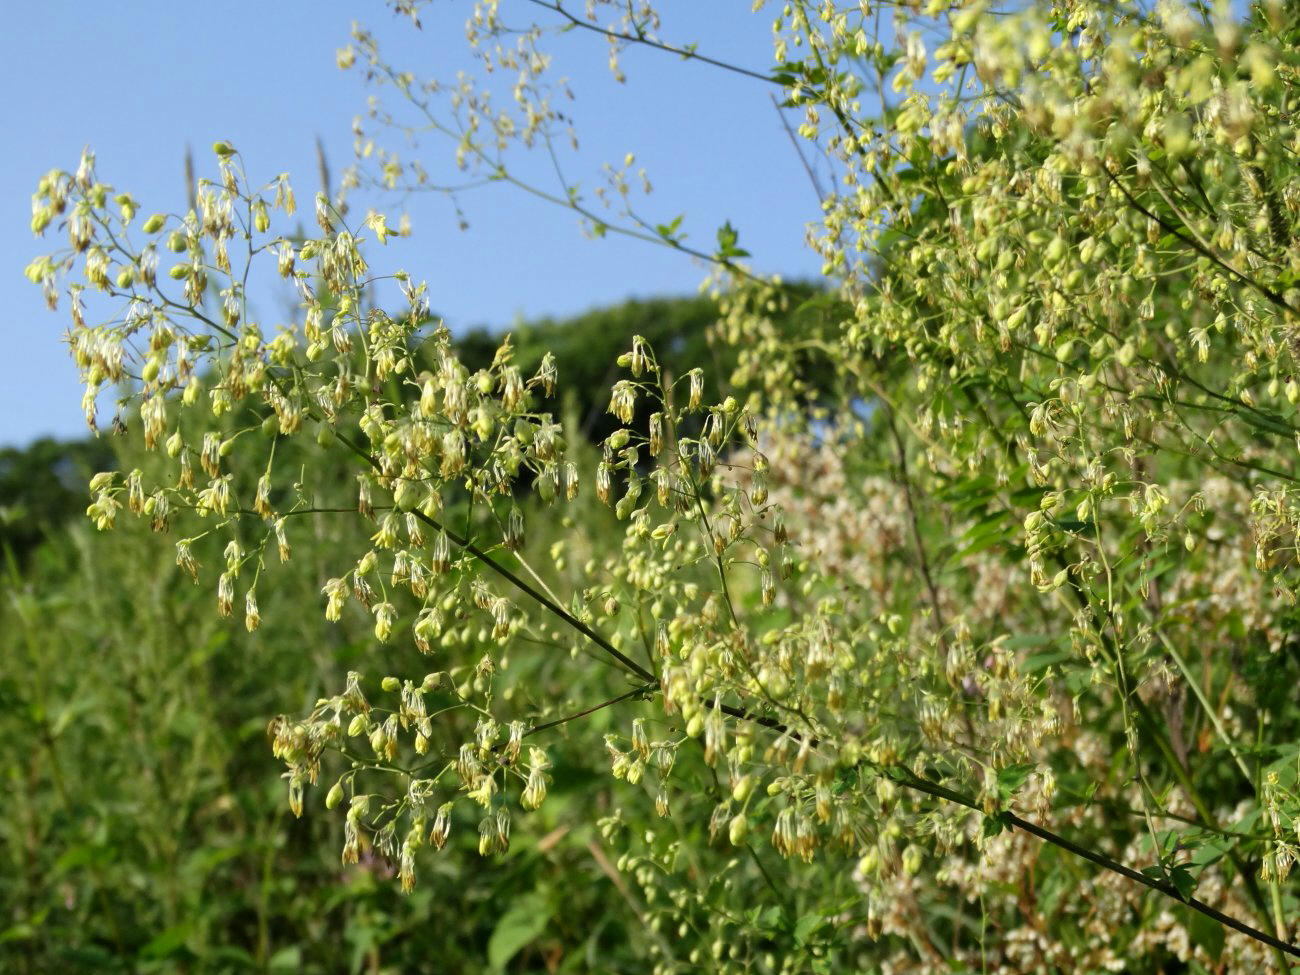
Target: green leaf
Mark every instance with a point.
(169, 941)
(1182, 878)
(1266, 420)
(1023, 641)
(517, 928)
(1206, 933)
(234, 959)
(727, 237)
(1012, 778)
(1041, 661)
(668, 231)
(286, 960)
(1210, 852)
(72, 711)
(21, 931)
(1075, 527)
(992, 529)
(997, 823)
(78, 856)
(770, 919)
(204, 861)
(806, 926)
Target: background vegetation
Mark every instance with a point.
(147, 828)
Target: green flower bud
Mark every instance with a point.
(738, 829)
(869, 862)
(912, 858)
(154, 223)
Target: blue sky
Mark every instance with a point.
(139, 81)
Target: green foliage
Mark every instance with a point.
(42, 487)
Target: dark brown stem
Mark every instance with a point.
(914, 521)
(1101, 860)
(1273, 296)
(634, 692)
(514, 580)
(681, 52)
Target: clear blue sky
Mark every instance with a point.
(140, 80)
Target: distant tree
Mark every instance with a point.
(585, 348)
(43, 487)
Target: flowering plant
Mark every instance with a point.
(1005, 598)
